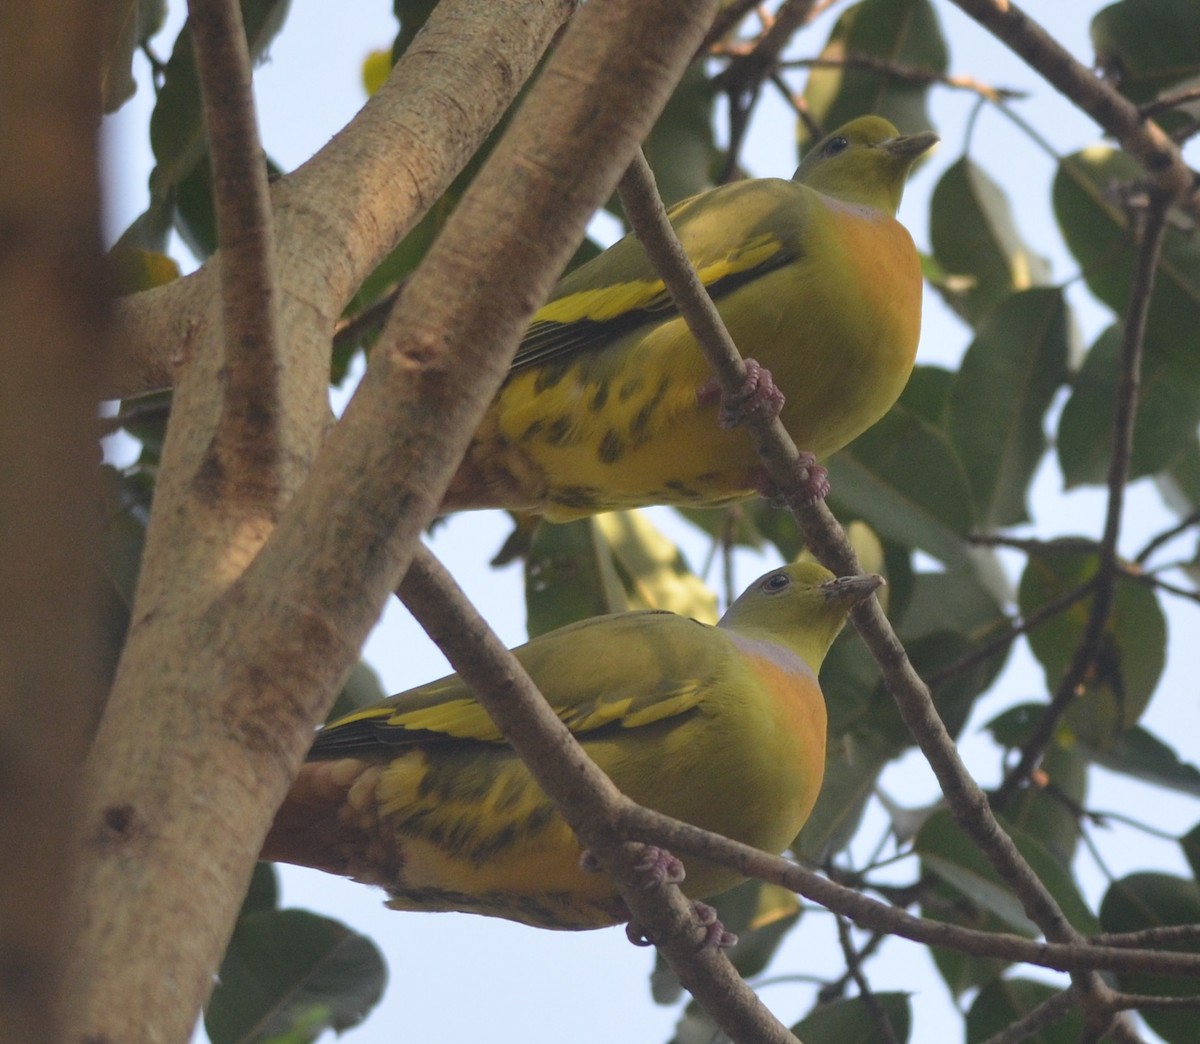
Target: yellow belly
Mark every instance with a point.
(629, 430)
(472, 831)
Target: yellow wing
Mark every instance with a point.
(622, 671)
(732, 235)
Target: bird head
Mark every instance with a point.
(867, 161)
(802, 606)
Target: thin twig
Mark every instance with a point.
(247, 441)
(1127, 1001)
(1166, 536)
(1104, 588)
(1157, 582)
(686, 840)
(1027, 624)
(1045, 1014)
(837, 988)
(728, 17)
(1034, 548)
(908, 74)
(743, 77)
(353, 327)
(1150, 937)
(854, 961)
(779, 455)
(1143, 139)
(1170, 101)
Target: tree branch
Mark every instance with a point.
(247, 446)
(1144, 140)
(743, 77)
(883, 1025)
(907, 74)
(338, 215)
(780, 458)
(1028, 623)
(1043, 1016)
(1105, 579)
(686, 840)
(224, 683)
(1166, 536)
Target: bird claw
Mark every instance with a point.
(810, 485)
(715, 935)
(656, 866)
(758, 394)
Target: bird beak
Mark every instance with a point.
(851, 590)
(910, 146)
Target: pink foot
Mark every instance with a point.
(715, 935)
(658, 867)
(655, 866)
(757, 395)
(811, 485)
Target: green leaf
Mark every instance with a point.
(852, 766)
(177, 133)
(652, 569)
(851, 1021)
(362, 689)
(1047, 810)
(569, 576)
(947, 617)
(1152, 900)
(263, 893)
(999, 399)
(976, 242)
(291, 974)
(899, 32)
(960, 971)
(1005, 1001)
(1179, 485)
(681, 148)
(735, 525)
(954, 696)
(128, 25)
(1140, 754)
(927, 394)
(1132, 647)
(760, 915)
(774, 525)
(1148, 47)
(696, 1026)
(412, 16)
(950, 854)
(902, 478)
(1190, 843)
(953, 602)
(849, 677)
(1168, 410)
(1097, 230)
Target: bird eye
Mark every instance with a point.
(836, 145)
(776, 582)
